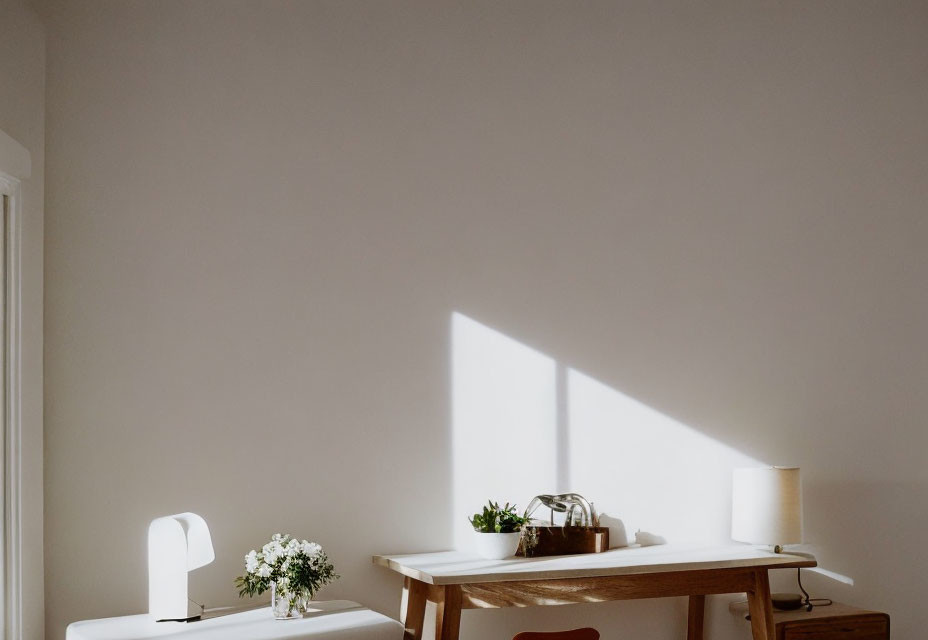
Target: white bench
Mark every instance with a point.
(330, 620)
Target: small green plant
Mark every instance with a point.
(496, 519)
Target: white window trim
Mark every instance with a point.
(15, 165)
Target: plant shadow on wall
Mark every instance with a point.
(524, 423)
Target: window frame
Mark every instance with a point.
(11, 585)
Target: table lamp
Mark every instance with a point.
(176, 545)
(766, 506)
(766, 509)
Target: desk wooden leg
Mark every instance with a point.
(448, 613)
(760, 607)
(412, 608)
(695, 617)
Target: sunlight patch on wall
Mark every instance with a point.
(504, 421)
(651, 471)
(523, 424)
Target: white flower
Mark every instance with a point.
(283, 553)
(251, 561)
(272, 551)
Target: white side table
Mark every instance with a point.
(330, 620)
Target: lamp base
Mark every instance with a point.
(786, 601)
(188, 619)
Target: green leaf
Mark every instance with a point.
(497, 520)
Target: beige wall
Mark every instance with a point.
(22, 117)
(261, 217)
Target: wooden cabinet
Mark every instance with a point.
(835, 622)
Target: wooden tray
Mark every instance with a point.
(563, 541)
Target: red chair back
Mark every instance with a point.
(576, 634)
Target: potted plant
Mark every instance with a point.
(497, 530)
(293, 570)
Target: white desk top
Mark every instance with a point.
(455, 567)
(332, 620)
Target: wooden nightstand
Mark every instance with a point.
(835, 622)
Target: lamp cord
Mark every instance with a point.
(202, 606)
(810, 603)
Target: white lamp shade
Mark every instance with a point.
(176, 544)
(766, 506)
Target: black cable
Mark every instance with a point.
(810, 603)
(202, 606)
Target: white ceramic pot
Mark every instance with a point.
(496, 546)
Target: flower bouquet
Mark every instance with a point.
(293, 571)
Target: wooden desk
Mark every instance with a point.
(454, 581)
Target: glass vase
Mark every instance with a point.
(287, 605)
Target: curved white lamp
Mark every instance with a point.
(176, 544)
(766, 506)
